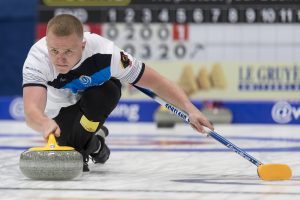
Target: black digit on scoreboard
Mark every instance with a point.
(129, 48)
(112, 32)
(129, 30)
(163, 33)
(146, 33)
(164, 49)
(180, 51)
(146, 51)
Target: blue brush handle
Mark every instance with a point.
(234, 148)
(209, 132)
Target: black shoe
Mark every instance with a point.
(102, 156)
(85, 167)
(104, 152)
(96, 142)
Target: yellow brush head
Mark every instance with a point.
(272, 172)
(52, 146)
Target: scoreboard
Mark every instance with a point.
(188, 29)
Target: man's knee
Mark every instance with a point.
(98, 102)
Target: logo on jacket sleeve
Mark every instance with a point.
(125, 60)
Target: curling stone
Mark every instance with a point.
(165, 119)
(52, 162)
(218, 115)
(216, 112)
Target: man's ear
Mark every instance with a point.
(83, 45)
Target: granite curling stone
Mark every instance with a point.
(52, 162)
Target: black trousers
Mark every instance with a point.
(95, 104)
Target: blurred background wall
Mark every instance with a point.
(17, 24)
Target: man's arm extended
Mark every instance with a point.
(35, 98)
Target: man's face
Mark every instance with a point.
(64, 51)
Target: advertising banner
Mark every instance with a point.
(267, 112)
(226, 81)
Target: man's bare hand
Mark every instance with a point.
(51, 127)
(198, 120)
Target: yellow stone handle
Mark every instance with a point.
(52, 146)
(52, 141)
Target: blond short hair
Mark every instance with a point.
(65, 25)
